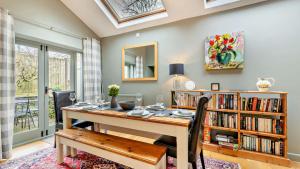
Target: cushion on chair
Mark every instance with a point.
(169, 142)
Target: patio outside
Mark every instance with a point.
(26, 105)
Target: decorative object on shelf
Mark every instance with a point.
(189, 85)
(264, 84)
(225, 51)
(176, 69)
(113, 91)
(215, 86)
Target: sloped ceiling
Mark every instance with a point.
(89, 12)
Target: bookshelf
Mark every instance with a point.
(238, 107)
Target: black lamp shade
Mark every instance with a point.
(176, 69)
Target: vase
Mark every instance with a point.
(264, 84)
(113, 102)
(224, 58)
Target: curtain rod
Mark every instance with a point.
(45, 26)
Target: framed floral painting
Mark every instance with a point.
(225, 51)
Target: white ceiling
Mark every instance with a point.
(89, 12)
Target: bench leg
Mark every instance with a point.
(59, 151)
(162, 163)
(73, 152)
(68, 151)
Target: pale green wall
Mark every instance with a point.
(272, 33)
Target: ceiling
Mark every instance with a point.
(90, 13)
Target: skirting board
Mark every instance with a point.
(294, 157)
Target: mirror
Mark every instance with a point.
(139, 62)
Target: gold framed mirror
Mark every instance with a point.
(139, 62)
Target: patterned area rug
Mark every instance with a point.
(46, 159)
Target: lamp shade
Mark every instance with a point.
(176, 69)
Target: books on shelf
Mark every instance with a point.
(227, 101)
(262, 124)
(189, 100)
(265, 145)
(261, 104)
(226, 141)
(206, 135)
(221, 119)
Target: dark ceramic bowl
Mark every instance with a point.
(127, 105)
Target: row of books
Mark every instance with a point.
(227, 101)
(262, 124)
(254, 143)
(189, 100)
(226, 141)
(261, 104)
(221, 119)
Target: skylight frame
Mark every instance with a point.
(216, 3)
(132, 18)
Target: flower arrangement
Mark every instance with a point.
(225, 51)
(113, 90)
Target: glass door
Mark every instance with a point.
(59, 76)
(40, 70)
(28, 117)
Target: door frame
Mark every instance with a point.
(49, 130)
(35, 134)
(43, 130)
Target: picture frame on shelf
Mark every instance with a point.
(215, 86)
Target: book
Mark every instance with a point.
(260, 144)
(261, 104)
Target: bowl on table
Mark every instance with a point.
(127, 105)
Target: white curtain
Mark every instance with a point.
(139, 73)
(91, 69)
(7, 83)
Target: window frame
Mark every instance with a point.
(119, 20)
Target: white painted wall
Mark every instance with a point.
(49, 13)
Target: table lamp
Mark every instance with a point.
(176, 69)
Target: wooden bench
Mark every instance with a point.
(124, 151)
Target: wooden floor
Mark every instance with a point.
(244, 163)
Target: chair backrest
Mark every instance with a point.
(198, 126)
(61, 99)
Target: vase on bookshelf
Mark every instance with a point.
(264, 84)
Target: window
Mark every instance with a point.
(216, 3)
(126, 10)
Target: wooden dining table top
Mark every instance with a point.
(119, 114)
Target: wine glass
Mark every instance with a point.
(177, 98)
(139, 98)
(100, 100)
(160, 100)
(72, 97)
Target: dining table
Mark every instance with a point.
(161, 125)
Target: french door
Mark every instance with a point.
(40, 70)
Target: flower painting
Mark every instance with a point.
(225, 51)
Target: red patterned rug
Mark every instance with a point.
(46, 159)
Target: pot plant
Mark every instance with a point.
(113, 91)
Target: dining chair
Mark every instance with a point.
(195, 135)
(61, 99)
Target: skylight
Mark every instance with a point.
(126, 10)
(216, 3)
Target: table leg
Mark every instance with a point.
(59, 151)
(182, 148)
(67, 122)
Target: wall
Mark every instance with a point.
(49, 13)
(272, 50)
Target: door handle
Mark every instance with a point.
(46, 89)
